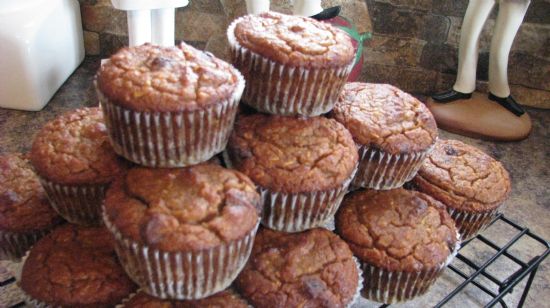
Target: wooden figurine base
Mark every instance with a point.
(481, 118)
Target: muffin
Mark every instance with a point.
(76, 163)
(469, 182)
(394, 132)
(403, 239)
(168, 106)
(314, 268)
(224, 299)
(183, 233)
(25, 212)
(293, 65)
(302, 167)
(74, 267)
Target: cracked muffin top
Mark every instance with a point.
(184, 209)
(75, 267)
(74, 149)
(292, 154)
(314, 268)
(382, 116)
(24, 206)
(224, 299)
(463, 177)
(397, 230)
(167, 79)
(294, 40)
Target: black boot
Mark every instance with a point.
(329, 13)
(508, 103)
(450, 96)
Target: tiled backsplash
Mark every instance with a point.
(414, 44)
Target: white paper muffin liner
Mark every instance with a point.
(357, 294)
(296, 212)
(182, 275)
(281, 89)
(381, 170)
(127, 299)
(469, 224)
(78, 204)
(32, 302)
(390, 287)
(171, 139)
(14, 245)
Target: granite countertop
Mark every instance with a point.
(529, 204)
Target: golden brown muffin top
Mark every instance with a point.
(184, 209)
(166, 79)
(24, 206)
(382, 116)
(463, 177)
(314, 268)
(294, 40)
(397, 230)
(292, 154)
(224, 299)
(74, 148)
(77, 267)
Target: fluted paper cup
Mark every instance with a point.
(182, 275)
(171, 139)
(32, 302)
(14, 245)
(390, 287)
(357, 294)
(381, 170)
(281, 89)
(296, 212)
(469, 224)
(127, 299)
(78, 204)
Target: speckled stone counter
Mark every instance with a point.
(529, 205)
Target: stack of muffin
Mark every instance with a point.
(134, 177)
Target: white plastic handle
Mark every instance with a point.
(163, 22)
(139, 27)
(257, 6)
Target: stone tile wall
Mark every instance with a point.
(414, 44)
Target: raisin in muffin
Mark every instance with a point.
(314, 268)
(25, 212)
(302, 166)
(76, 163)
(199, 222)
(394, 131)
(75, 266)
(403, 239)
(293, 65)
(168, 106)
(469, 182)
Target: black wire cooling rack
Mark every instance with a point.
(478, 275)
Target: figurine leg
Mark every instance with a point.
(510, 17)
(477, 13)
(465, 84)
